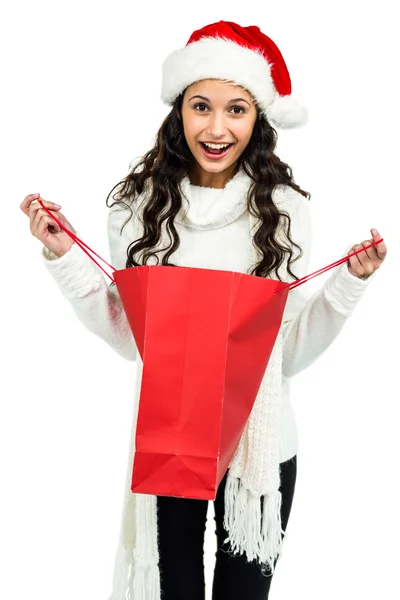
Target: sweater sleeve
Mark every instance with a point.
(96, 304)
(310, 325)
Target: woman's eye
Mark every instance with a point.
(201, 107)
(238, 110)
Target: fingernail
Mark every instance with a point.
(58, 206)
(374, 231)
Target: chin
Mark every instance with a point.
(215, 168)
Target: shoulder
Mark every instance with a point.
(297, 206)
(117, 215)
(289, 200)
(124, 226)
(126, 215)
(122, 230)
(130, 210)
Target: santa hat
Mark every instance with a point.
(242, 55)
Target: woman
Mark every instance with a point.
(212, 194)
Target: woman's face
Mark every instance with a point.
(218, 120)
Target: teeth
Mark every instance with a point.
(216, 146)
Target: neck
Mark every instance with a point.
(203, 178)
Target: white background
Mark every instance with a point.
(80, 101)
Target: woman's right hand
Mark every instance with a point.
(44, 228)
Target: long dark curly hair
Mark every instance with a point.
(170, 160)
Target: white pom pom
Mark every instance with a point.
(286, 112)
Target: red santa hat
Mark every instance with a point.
(242, 55)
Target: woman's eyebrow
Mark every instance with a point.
(198, 96)
(230, 101)
(238, 100)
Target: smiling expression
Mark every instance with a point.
(218, 121)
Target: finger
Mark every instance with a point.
(26, 202)
(53, 223)
(360, 269)
(354, 264)
(381, 251)
(41, 222)
(35, 206)
(355, 260)
(375, 234)
(32, 202)
(360, 264)
(37, 213)
(368, 258)
(375, 255)
(48, 223)
(381, 248)
(367, 255)
(65, 223)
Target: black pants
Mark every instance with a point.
(181, 528)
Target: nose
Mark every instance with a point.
(216, 127)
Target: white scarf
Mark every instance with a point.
(254, 472)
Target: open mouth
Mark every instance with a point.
(214, 151)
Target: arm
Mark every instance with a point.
(310, 325)
(96, 305)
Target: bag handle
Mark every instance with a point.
(298, 282)
(81, 244)
(291, 286)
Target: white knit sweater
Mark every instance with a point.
(214, 233)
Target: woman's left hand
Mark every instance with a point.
(363, 264)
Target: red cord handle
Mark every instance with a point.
(291, 286)
(81, 244)
(335, 264)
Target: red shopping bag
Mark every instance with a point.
(205, 338)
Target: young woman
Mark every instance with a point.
(213, 194)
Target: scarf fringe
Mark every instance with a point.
(134, 580)
(272, 531)
(121, 575)
(146, 583)
(258, 535)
